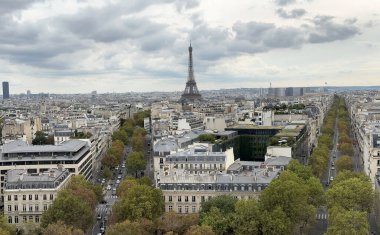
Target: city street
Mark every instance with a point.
(320, 226)
(105, 207)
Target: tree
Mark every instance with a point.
(5, 228)
(347, 222)
(142, 227)
(140, 201)
(351, 194)
(344, 163)
(69, 209)
(177, 223)
(292, 195)
(60, 228)
(40, 139)
(120, 135)
(247, 217)
(276, 222)
(139, 117)
(225, 203)
(135, 162)
(107, 173)
(74, 205)
(346, 149)
(125, 186)
(200, 230)
(301, 171)
(220, 223)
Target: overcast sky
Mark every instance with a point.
(76, 46)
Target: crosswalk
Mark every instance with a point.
(110, 197)
(103, 210)
(322, 216)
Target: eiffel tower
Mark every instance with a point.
(191, 92)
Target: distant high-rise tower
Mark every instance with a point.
(191, 92)
(5, 90)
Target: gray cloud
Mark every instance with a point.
(284, 2)
(295, 13)
(9, 6)
(325, 30)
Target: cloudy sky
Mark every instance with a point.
(71, 46)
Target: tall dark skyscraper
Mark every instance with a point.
(191, 92)
(5, 90)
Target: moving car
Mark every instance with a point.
(99, 217)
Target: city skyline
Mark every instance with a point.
(114, 46)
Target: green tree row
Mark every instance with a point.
(74, 205)
(319, 159)
(349, 200)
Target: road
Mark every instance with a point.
(321, 224)
(104, 210)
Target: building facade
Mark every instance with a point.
(28, 195)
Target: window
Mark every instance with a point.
(30, 197)
(186, 209)
(24, 219)
(15, 197)
(9, 208)
(16, 219)
(209, 198)
(36, 208)
(202, 198)
(9, 198)
(186, 198)
(9, 219)
(194, 209)
(170, 198)
(30, 207)
(45, 207)
(179, 198)
(51, 196)
(193, 198)
(36, 196)
(37, 219)
(170, 208)
(30, 218)
(23, 207)
(179, 209)
(161, 160)
(23, 197)
(16, 207)
(44, 197)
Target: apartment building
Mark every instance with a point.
(28, 195)
(73, 155)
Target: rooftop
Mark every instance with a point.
(19, 146)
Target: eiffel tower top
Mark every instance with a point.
(191, 92)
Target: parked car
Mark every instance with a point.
(331, 178)
(117, 181)
(119, 177)
(99, 217)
